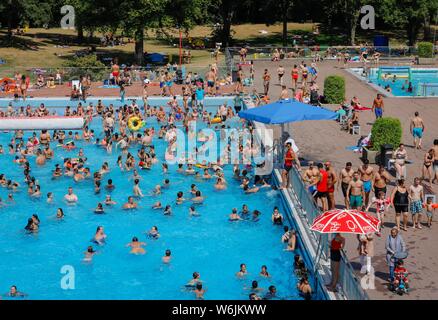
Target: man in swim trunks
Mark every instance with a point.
(381, 179)
(211, 81)
(416, 195)
(331, 181)
(367, 176)
(417, 129)
(115, 71)
(311, 177)
(378, 106)
(345, 177)
(322, 187)
(356, 192)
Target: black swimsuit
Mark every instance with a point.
(401, 201)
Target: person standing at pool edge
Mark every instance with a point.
(378, 106)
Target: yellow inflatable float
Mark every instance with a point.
(135, 123)
(216, 120)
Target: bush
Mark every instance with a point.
(425, 49)
(386, 131)
(86, 65)
(334, 89)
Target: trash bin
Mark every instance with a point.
(386, 151)
(234, 75)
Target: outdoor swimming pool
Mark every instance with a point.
(209, 244)
(424, 80)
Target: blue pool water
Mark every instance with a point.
(424, 82)
(209, 244)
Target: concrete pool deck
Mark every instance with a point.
(322, 141)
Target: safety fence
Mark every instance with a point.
(308, 210)
(135, 73)
(325, 52)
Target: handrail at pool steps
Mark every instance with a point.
(309, 252)
(303, 211)
(348, 281)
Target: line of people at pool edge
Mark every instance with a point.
(75, 167)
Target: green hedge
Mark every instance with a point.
(425, 49)
(386, 131)
(334, 89)
(86, 65)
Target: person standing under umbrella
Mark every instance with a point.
(395, 246)
(337, 244)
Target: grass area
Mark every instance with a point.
(38, 47)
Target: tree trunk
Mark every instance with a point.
(226, 15)
(353, 26)
(139, 46)
(80, 30)
(412, 32)
(285, 28)
(427, 34)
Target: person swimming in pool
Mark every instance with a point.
(264, 272)
(89, 254)
(14, 293)
(168, 210)
(198, 198)
(49, 197)
(157, 205)
(167, 256)
(242, 272)
(136, 246)
(70, 197)
(199, 291)
(157, 190)
(109, 201)
(100, 236)
(153, 233)
(193, 212)
(99, 209)
(60, 214)
(234, 216)
(131, 204)
(194, 281)
(179, 197)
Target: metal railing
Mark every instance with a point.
(307, 207)
(103, 73)
(325, 52)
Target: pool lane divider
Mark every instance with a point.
(306, 236)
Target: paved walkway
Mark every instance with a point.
(322, 141)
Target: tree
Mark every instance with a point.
(223, 12)
(138, 15)
(278, 10)
(345, 14)
(19, 12)
(410, 15)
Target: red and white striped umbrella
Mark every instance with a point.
(345, 221)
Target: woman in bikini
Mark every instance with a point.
(429, 158)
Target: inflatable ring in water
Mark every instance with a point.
(216, 120)
(202, 166)
(135, 123)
